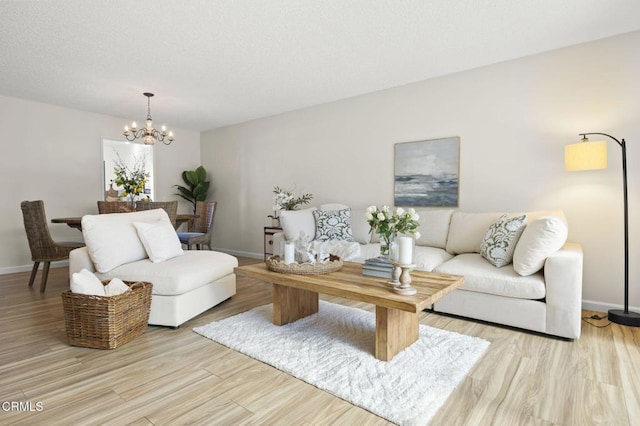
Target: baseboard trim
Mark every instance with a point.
(240, 253)
(591, 305)
(27, 268)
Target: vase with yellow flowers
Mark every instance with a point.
(131, 179)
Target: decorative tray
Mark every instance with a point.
(274, 263)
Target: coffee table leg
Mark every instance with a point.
(291, 304)
(395, 330)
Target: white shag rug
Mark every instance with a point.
(333, 350)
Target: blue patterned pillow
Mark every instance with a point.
(500, 241)
(333, 225)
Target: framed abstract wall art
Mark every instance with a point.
(427, 173)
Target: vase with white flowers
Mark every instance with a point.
(406, 222)
(388, 224)
(285, 200)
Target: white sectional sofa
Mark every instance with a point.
(185, 283)
(541, 290)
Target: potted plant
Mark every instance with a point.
(284, 200)
(197, 186)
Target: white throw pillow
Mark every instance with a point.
(112, 239)
(295, 221)
(434, 227)
(535, 215)
(500, 241)
(85, 282)
(467, 230)
(360, 227)
(159, 239)
(540, 239)
(116, 286)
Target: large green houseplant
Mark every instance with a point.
(197, 186)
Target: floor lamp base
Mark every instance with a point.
(619, 316)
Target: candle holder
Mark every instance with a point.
(395, 276)
(405, 280)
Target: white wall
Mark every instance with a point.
(55, 154)
(513, 119)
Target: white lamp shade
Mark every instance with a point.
(585, 156)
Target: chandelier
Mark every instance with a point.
(148, 134)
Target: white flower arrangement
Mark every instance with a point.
(284, 200)
(387, 223)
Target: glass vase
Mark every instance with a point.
(387, 244)
(131, 203)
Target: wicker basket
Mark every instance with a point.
(275, 264)
(103, 322)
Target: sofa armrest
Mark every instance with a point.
(563, 278)
(278, 243)
(79, 259)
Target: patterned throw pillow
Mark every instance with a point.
(333, 225)
(500, 241)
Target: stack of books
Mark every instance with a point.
(377, 267)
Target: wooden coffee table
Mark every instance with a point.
(296, 296)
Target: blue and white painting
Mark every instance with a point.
(426, 173)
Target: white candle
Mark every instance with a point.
(406, 250)
(289, 252)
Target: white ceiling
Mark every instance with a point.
(217, 62)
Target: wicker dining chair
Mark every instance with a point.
(171, 207)
(43, 248)
(105, 207)
(202, 232)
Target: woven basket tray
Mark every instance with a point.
(103, 322)
(274, 263)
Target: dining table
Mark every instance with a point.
(72, 222)
(76, 221)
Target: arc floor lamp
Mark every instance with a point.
(588, 155)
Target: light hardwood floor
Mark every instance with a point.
(177, 377)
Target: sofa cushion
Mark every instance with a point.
(332, 225)
(295, 221)
(112, 239)
(360, 227)
(467, 230)
(481, 276)
(428, 258)
(434, 227)
(179, 275)
(500, 241)
(540, 239)
(159, 239)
